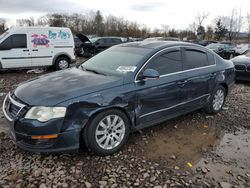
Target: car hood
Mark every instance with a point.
(57, 87)
(241, 59)
(83, 38)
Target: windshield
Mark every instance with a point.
(4, 34)
(116, 61)
(215, 46)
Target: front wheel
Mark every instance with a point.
(217, 101)
(107, 132)
(62, 63)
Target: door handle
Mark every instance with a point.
(182, 83)
(35, 50)
(25, 50)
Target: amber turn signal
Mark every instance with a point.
(51, 136)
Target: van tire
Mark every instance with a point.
(62, 63)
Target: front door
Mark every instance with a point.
(160, 99)
(14, 52)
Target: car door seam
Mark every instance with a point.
(182, 103)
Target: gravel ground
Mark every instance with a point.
(196, 150)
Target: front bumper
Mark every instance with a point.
(21, 130)
(242, 72)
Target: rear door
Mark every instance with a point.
(160, 99)
(199, 70)
(40, 48)
(15, 52)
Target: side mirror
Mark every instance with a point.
(97, 43)
(150, 74)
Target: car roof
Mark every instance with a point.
(157, 45)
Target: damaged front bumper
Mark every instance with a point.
(31, 135)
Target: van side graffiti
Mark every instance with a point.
(59, 35)
(40, 40)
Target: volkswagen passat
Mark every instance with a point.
(123, 89)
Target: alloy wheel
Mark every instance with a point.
(63, 64)
(218, 100)
(110, 132)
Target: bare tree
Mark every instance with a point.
(193, 27)
(26, 22)
(209, 33)
(233, 23)
(201, 17)
(3, 22)
(248, 25)
(165, 29)
(42, 21)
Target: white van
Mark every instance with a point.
(24, 47)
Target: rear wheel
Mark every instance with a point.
(107, 132)
(217, 101)
(62, 63)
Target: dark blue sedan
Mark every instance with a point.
(125, 88)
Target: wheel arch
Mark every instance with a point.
(120, 108)
(61, 55)
(223, 84)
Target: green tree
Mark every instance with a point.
(220, 30)
(201, 32)
(209, 33)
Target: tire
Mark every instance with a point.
(96, 131)
(62, 63)
(217, 101)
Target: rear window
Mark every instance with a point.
(117, 41)
(195, 59)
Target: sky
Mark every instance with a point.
(177, 14)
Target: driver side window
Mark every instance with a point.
(167, 63)
(15, 41)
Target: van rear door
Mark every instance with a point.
(14, 51)
(40, 47)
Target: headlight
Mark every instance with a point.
(44, 114)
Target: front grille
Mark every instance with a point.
(12, 108)
(240, 67)
(248, 68)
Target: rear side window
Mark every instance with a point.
(116, 41)
(19, 41)
(211, 59)
(107, 41)
(195, 59)
(15, 41)
(167, 63)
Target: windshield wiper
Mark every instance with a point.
(91, 70)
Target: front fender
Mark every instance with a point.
(80, 112)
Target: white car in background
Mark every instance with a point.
(242, 48)
(25, 47)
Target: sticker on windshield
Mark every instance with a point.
(125, 69)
